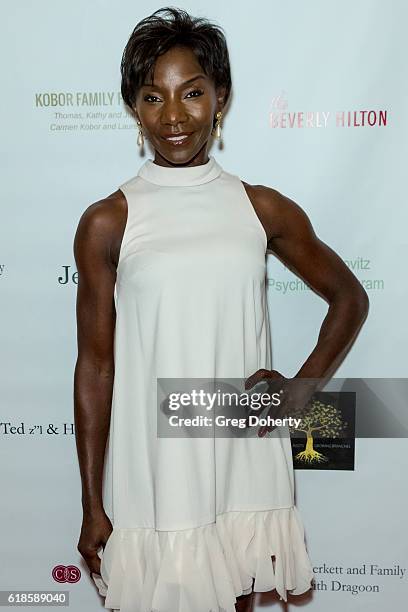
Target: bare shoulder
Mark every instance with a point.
(101, 227)
(279, 214)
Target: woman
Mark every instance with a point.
(172, 285)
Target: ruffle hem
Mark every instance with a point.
(206, 568)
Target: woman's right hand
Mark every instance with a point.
(95, 531)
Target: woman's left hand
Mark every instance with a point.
(295, 394)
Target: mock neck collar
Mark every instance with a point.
(180, 176)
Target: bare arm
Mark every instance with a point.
(94, 248)
(292, 239)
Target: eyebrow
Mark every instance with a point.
(194, 78)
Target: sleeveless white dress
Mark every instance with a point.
(194, 519)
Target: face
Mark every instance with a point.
(181, 100)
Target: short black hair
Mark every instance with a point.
(165, 28)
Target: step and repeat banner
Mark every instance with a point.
(318, 112)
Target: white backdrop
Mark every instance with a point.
(335, 72)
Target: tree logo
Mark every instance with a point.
(323, 418)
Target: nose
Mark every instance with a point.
(173, 113)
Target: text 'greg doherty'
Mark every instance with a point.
(77, 98)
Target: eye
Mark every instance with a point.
(148, 96)
(197, 91)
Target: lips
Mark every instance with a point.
(177, 139)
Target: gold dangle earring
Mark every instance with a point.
(140, 138)
(218, 125)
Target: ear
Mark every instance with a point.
(220, 93)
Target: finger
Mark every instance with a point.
(255, 378)
(267, 429)
(263, 375)
(262, 431)
(94, 564)
(93, 560)
(251, 413)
